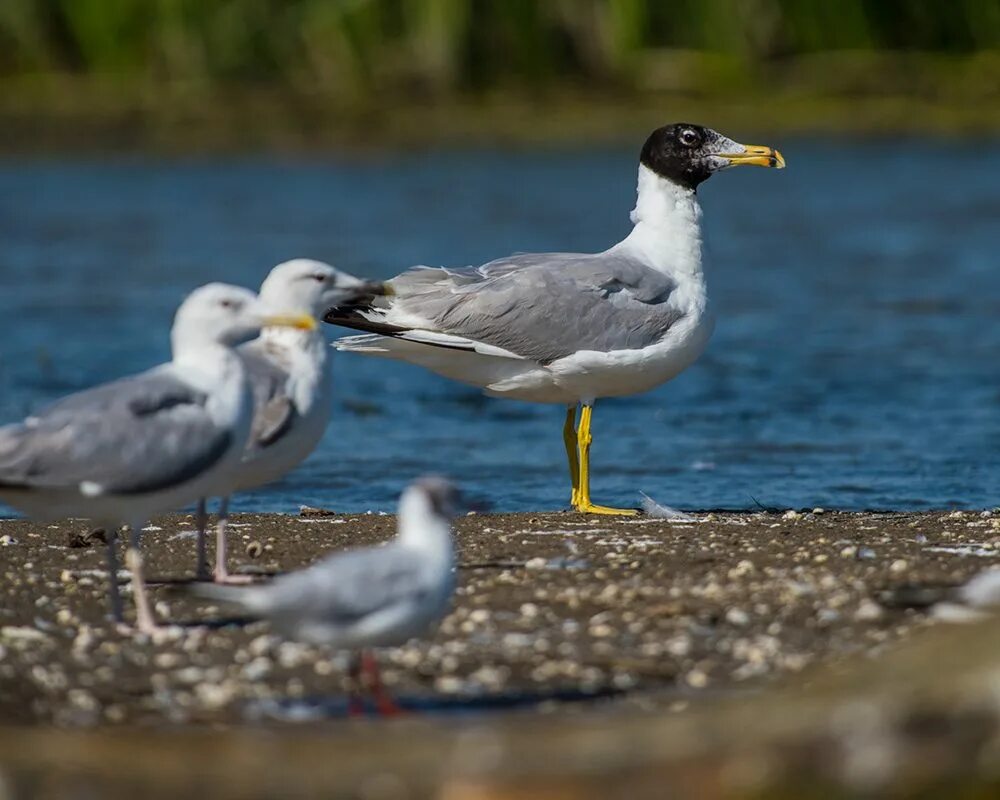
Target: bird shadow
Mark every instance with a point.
(312, 709)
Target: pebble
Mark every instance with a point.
(529, 610)
(215, 695)
(737, 617)
(257, 669)
(449, 684)
(7, 540)
(868, 611)
(899, 565)
(696, 679)
(536, 563)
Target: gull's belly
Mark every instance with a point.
(60, 503)
(261, 466)
(589, 375)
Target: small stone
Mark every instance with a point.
(260, 645)
(190, 675)
(257, 669)
(536, 563)
(529, 610)
(865, 554)
(737, 617)
(899, 565)
(696, 679)
(868, 611)
(818, 511)
(166, 660)
(7, 540)
(849, 552)
(449, 684)
(215, 695)
(791, 514)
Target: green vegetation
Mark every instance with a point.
(141, 57)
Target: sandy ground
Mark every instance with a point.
(655, 615)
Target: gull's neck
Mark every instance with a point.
(218, 371)
(667, 232)
(304, 355)
(311, 342)
(423, 530)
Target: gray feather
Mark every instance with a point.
(545, 306)
(274, 411)
(138, 434)
(343, 588)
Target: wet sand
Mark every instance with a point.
(618, 618)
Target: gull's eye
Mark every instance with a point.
(319, 278)
(689, 137)
(228, 304)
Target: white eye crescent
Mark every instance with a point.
(689, 137)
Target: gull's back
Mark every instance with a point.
(373, 597)
(150, 433)
(541, 306)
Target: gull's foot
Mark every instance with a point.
(591, 508)
(228, 579)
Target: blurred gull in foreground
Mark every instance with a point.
(571, 327)
(287, 371)
(975, 600)
(154, 442)
(365, 598)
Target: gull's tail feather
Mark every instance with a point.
(248, 598)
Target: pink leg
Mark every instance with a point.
(201, 521)
(222, 549)
(144, 621)
(117, 612)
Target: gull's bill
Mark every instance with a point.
(302, 322)
(756, 155)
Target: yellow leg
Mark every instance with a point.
(583, 503)
(569, 439)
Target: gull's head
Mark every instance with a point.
(688, 154)
(428, 500)
(304, 286)
(219, 313)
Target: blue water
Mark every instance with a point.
(854, 365)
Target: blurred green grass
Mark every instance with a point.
(358, 64)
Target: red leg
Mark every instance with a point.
(384, 704)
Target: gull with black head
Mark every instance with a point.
(570, 328)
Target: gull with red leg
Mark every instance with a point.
(369, 597)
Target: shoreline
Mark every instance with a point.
(679, 638)
(95, 119)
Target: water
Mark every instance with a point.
(854, 365)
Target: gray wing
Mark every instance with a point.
(545, 306)
(274, 412)
(139, 434)
(346, 587)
